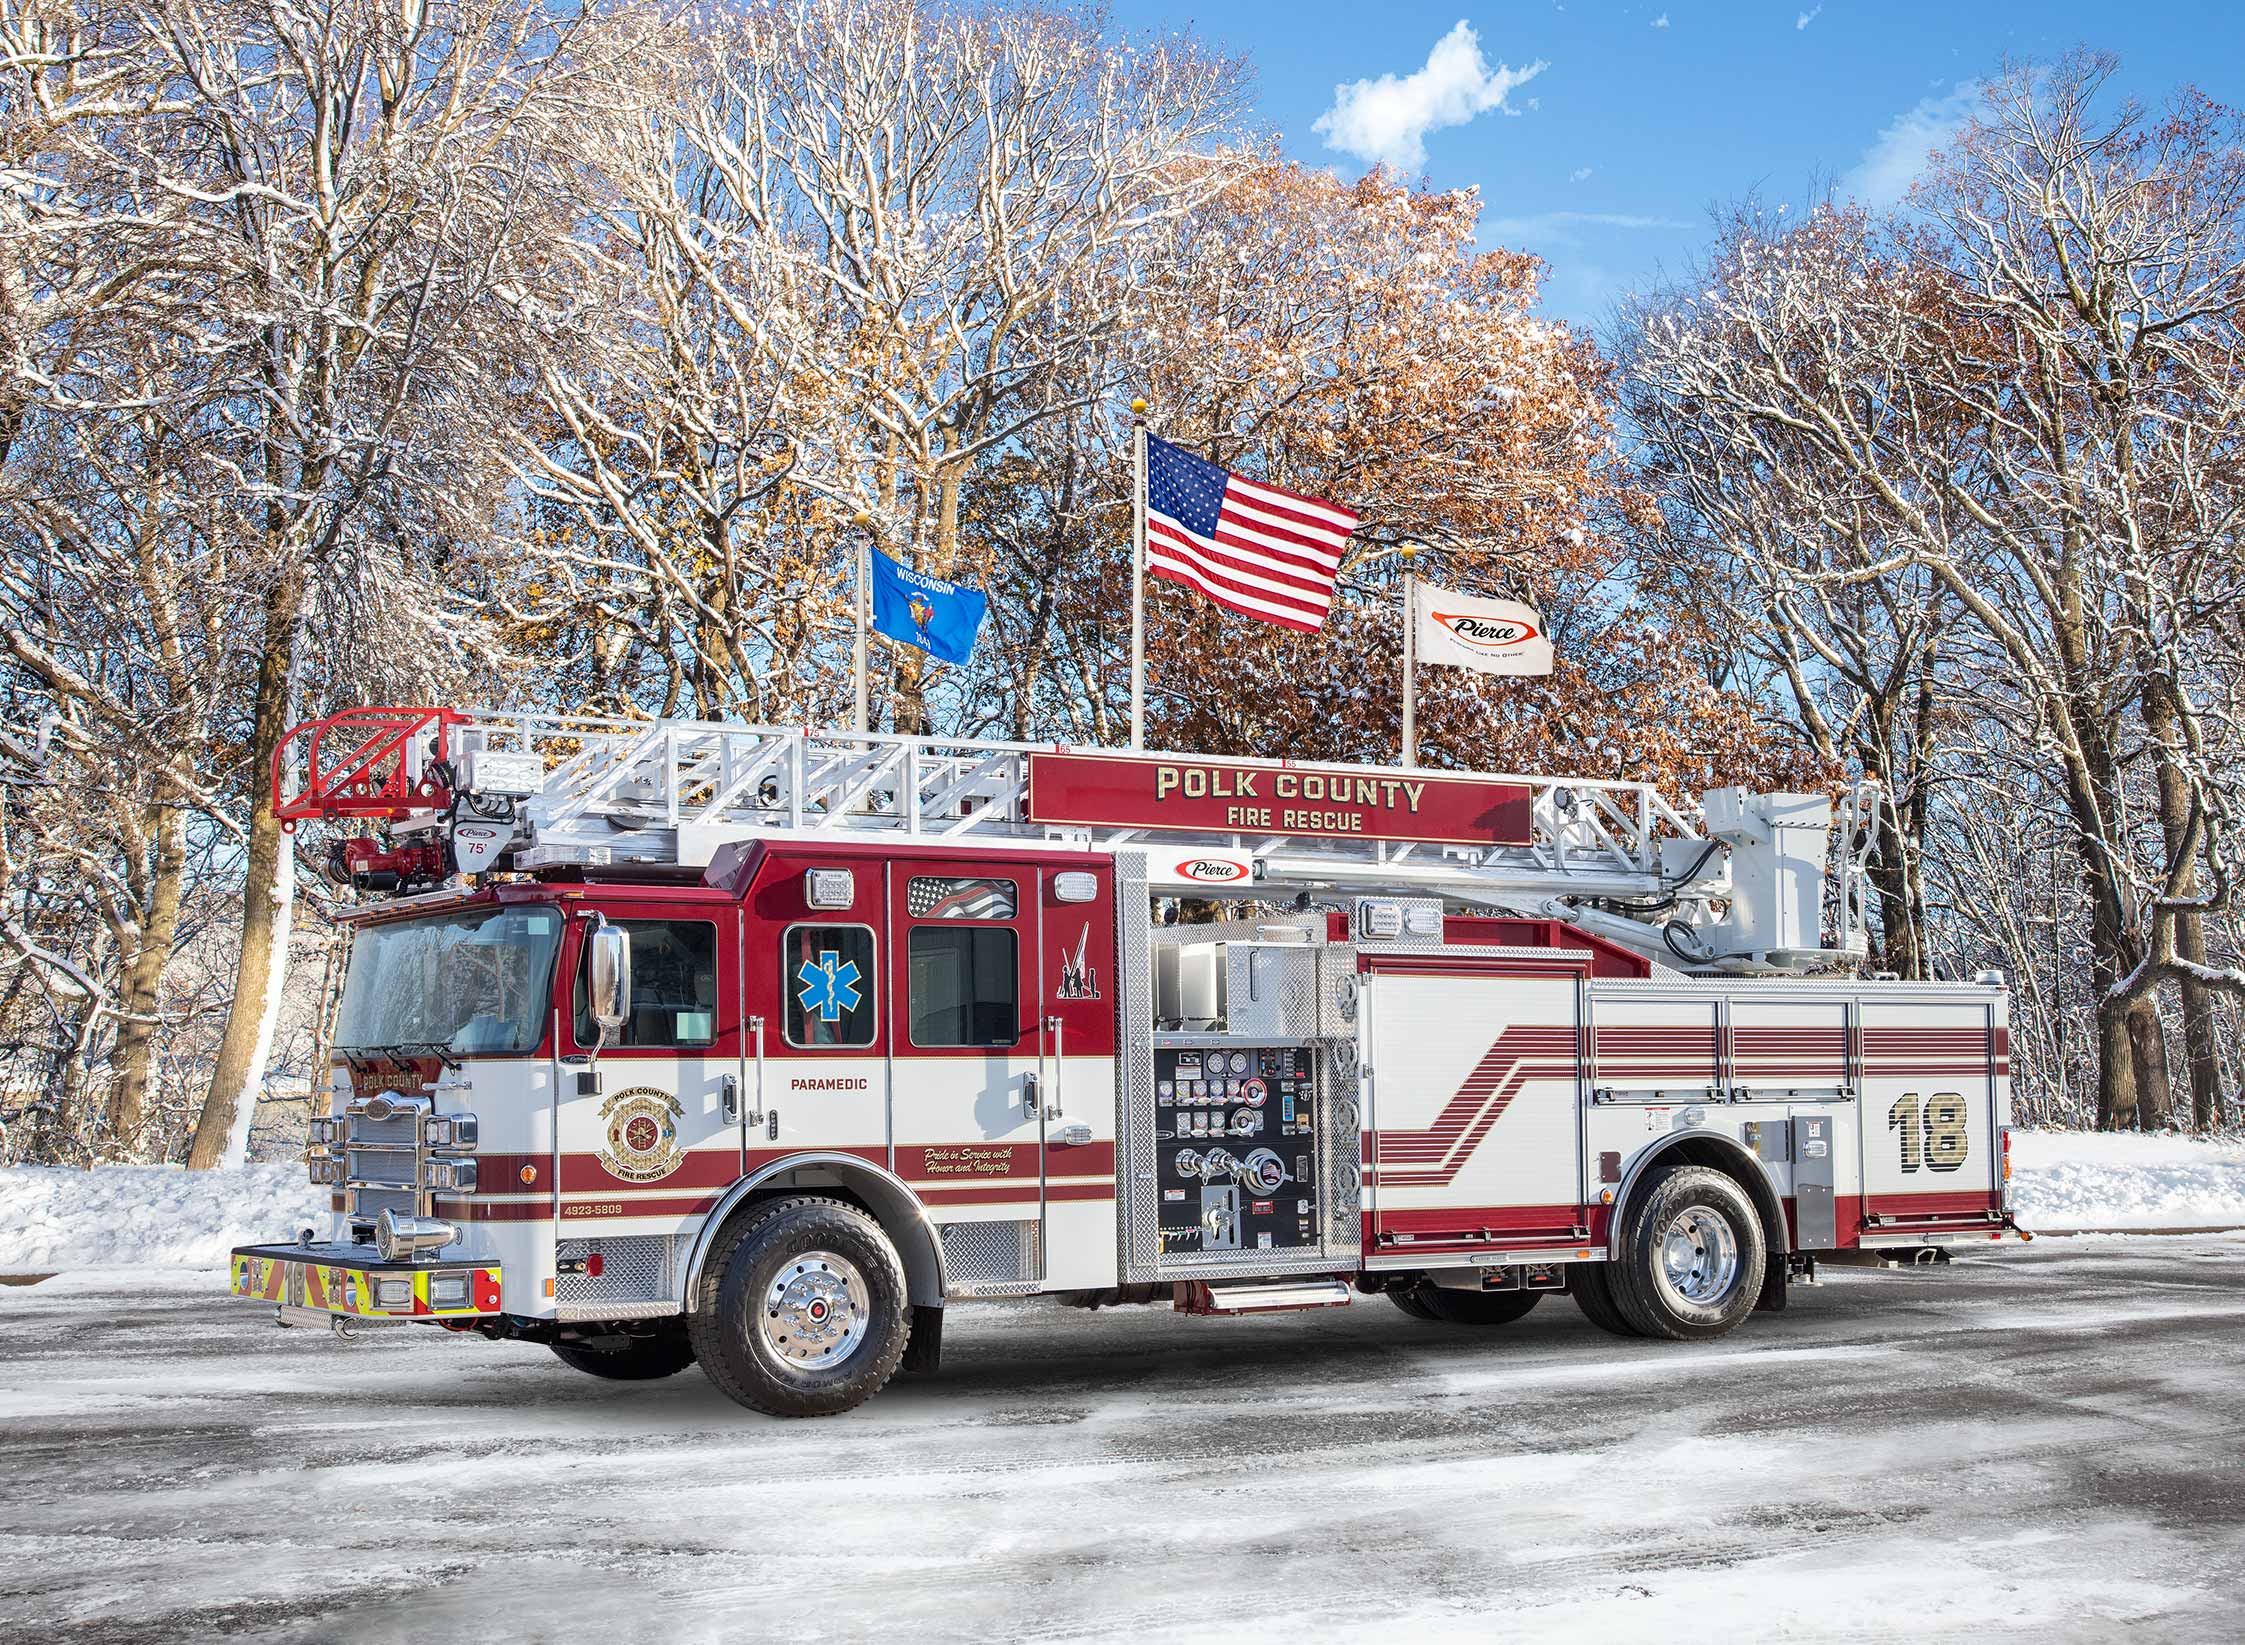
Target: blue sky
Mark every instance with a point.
(1606, 159)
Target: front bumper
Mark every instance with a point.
(351, 1282)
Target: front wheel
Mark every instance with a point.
(1692, 1257)
(803, 1312)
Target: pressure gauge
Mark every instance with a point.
(1245, 1122)
(1239, 1062)
(1166, 1090)
(1254, 1093)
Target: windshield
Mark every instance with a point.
(477, 981)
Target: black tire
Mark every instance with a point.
(642, 1359)
(1695, 1204)
(1593, 1292)
(1444, 1307)
(744, 1334)
(1406, 1297)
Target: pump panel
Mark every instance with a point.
(1235, 1143)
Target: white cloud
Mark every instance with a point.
(1661, 21)
(1386, 120)
(1808, 17)
(1581, 174)
(1561, 229)
(1890, 165)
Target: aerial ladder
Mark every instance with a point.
(1741, 883)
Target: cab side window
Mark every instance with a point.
(826, 978)
(673, 986)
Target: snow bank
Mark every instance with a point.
(139, 1215)
(119, 1216)
(2083, 1179)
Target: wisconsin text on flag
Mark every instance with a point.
(1261, 551)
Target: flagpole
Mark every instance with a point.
(1138, 574)
(1410, 553)
(861, 571)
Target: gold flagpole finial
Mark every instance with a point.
(1138, 408)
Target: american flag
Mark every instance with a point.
(1253, 548)
(929, 898)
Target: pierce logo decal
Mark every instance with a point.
(1211, 870)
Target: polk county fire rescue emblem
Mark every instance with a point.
(639, 1134)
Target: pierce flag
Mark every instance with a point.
(938, 617)
(1493, 636)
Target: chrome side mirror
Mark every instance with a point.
(610, 982)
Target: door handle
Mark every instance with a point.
(1029, 1092)
(1052, 1027)
(729, 1090)
(756, 1027)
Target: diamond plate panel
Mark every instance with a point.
(633, 1268)
(1137, 1225)
(989, 1253)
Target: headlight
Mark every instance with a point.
(450, 1131)
(459, 1175)
(448, 1290)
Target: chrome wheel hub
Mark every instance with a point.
(1698, 1257)
(815, 1311)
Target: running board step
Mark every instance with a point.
(1273, 1296)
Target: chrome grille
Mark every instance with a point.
(977, 1253)
(633, 1268)
(382, 1165)
(397, 1131)
(369, 1203)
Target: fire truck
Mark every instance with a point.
(762, 1048)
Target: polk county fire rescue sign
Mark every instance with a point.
(1117, 791)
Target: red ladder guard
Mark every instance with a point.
(370, 779)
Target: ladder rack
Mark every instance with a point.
(601, 791)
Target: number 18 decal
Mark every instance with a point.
(1944, 1141)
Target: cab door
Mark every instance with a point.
(970, 1052)
(658, 1140)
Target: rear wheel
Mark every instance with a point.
(1692, 1257)
(1589, 1285)
(629, 1359)
(803, 1311)
(1432, 1302)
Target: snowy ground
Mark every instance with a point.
(120, 1215)
(2041, 1446)
(2074, 1179)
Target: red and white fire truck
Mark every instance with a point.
(667, 1043)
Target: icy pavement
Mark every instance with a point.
(2042, 1446)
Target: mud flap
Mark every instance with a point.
(1774, 1278)
(923, 1353)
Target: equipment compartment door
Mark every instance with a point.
(1932, 1159)
(968, 1031)
(1475, 1106)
